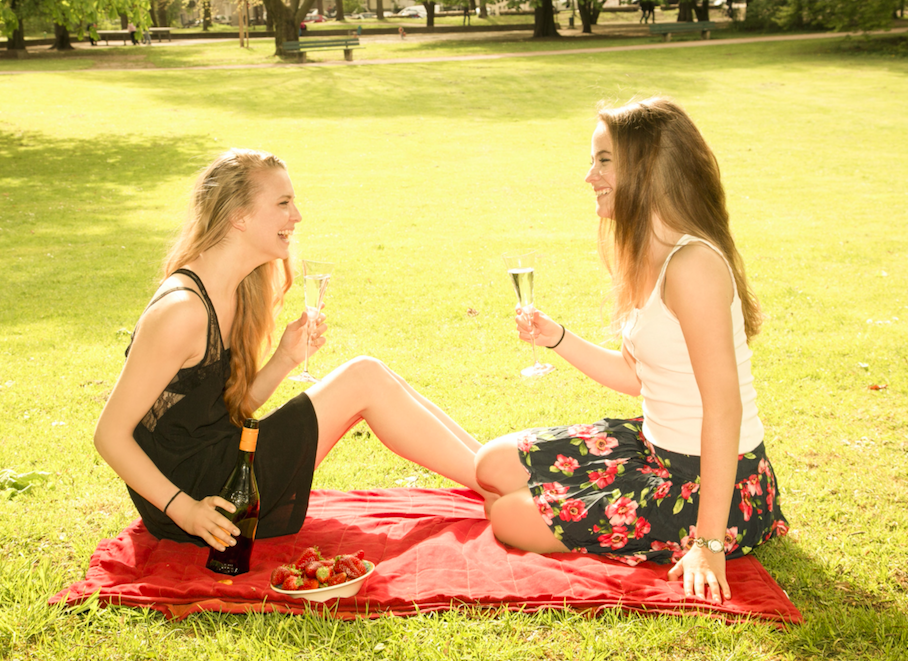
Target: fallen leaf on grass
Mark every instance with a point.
(878, 387)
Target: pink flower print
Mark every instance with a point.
(780, 528)
(676, 549)
(566, 465)
(646, 470)
(753, 485)
(662, 472)
(770, 497)
(662, 490)
(572, 510)
(688, 540)
(745, 505)
(763, 467)
(525, 441)
(601, 444)
(600, 479)
(616, 539)
(612, 465)
(688, 488)
(622, 512)
(545, 510)
(641, 527)
(581, 431)
(552, 491)
(731, 539)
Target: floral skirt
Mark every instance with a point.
(604, 489)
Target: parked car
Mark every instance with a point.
(366, 14)
(220, 18)
(314, 18)
(416, 11)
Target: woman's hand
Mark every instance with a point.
(200, 518)
(700, 568)
(535, 326)
(300, 332)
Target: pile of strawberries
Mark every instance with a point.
(312, 571)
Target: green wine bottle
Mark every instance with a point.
(241, 490)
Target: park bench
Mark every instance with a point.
(107, 35)
(160, 32)
(301, 47)
(668, 29)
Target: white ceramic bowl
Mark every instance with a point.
(347, 589)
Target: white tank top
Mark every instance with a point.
(672, 408)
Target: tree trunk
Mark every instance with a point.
(702, 11)
(379, 10)
(61, 38)
(544, 23)
(585, 9)
(685, 11)
(16, 41)
(483, 10)
(206, 15)
(286, 27)
(430, 13)
(339, 8)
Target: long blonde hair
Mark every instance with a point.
(224, 189)
(663, 166)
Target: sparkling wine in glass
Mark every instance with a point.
(315, 281)
(521, 268)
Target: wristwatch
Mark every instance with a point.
(714, 545)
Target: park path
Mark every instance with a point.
(495, 56)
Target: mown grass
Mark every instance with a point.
(414, 179)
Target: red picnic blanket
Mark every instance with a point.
(433, 550)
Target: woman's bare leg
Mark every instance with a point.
(516, 522)
(498, 467)
(365, 389)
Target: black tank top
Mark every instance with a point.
(187, 433)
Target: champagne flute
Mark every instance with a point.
(521, 269)
(315, 282)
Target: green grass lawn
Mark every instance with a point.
(414, 179)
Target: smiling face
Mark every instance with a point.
(274, 215)
(602, 172)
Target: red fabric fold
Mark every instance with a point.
(433, 550)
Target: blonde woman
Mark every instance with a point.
(689, 481)
(194, 372)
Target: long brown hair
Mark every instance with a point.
(663, 166)
(224, 189)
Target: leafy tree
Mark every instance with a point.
(589, 13)
(839, 15)
(67, 16)
(543, 17)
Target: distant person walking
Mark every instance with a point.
(466, 14)
(131, 28)
(648, 9)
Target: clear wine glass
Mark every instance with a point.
(315, 281)
(521, 269)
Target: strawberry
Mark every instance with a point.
(308, 584)
(336, 579)
(310, 554)
(324, 573)
(360, 555)
(350, 565)
(283, 572)
(311, 568)
(291, 583)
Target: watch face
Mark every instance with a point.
(715, 546)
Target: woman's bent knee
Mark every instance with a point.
(498, 467)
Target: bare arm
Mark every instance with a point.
(171, 335)
(699, 291)
(290, 352)
(613, 369)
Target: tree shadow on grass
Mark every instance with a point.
(75, 229)
(840, 614)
